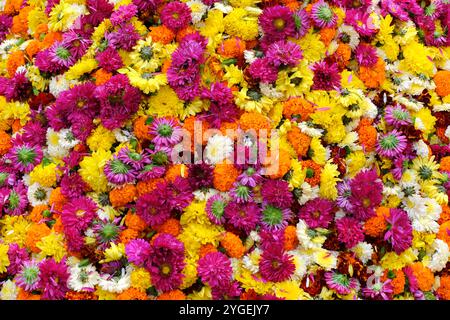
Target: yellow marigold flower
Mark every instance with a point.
(80, 68)
(91, 170)
(328, 180)
(140, 279)
(14, 110)
(45, 175)
(164, 103)
(14, 229)
(190, 273)
(241, 24)
(101, 138)
(417, 59)
(214, 24)
(4, 260)
(290, 290)
(52, 245)
(105, 295)
(393, 261)
(424, 121)
(313, 49)
(422, 240)
(114, 252)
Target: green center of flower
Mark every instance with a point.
(160, 158)
(3, 177)
(13, 199)
(250, 171)
(400, 114)
(242, 191)
(325, 13)
(341, 279)
(84, 276)
(118, 167)
(218, 208)
(109, 232)
(409, 191)
(272, 216)
(146, 53)
(389, 142)
(134, 156)
(165, 130)
(30, 275)
(26, 155)
(40, 194)
(103, 199)
(430, 10)
(62, 53)
(309, 173)
(345, 38)
(254, 95)
(425, 172)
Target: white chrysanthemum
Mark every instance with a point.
(249, 56)
(350, 140)
(304, 238)
(339, 214)
(440, 257)
(116, 284)
(350, 33)
(204, 195)
(310, 131)
(410, 104)
(58, 84)
(308, 192)
(423, 212)
(363, 251)
(370, 109)
(6, 46)
(421, 148)
(82, 278)
(218, 149)
(270, 91)
(198, 9)
(38, 195)
(301, 262)
(67, 139)
(122, 135)
(224, 8)
(254, 236)
(9, 291)
(441, 107)
(251, 261)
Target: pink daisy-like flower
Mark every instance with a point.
(361, 21)
(215, 208)
(214, 268)
(28, 277)
(284, 53)
(397, 116)
(138, 251)
(153, 207)
(250, 177)
(166, 131)
(277, 193)
(241, 193)
(344, 193)
(123, 14)
(53, 279)
(180, 194)
(366, 55)
(275, 265)
(302, 23)
(109, 59)
(322, 15)
(274, 218)
(366, 194)
(341, 283)
(379, 290)
(391, 144)
(151, 171)
(166, 262)
(399, 232)
(118, 172)
(243, 216)
(317, 213)
(60, 54)
(350, 231)
(277, 23)
(176, 15)
(107, 231)
(79, 213)
(17, 256)
(261, 69)
(73, 186)
(326, 76)
(133, 158)
(24, 157)
(17, 200)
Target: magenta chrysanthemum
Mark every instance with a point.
(275, 265)
(322, 15)
(399, 232)
(397, 116)
(365, 194)
(366, 55)
(276, 193)
(53, 279)
(215, 208)
(326, 76)
(391, 144)
(350, 231)
(244, 216)
(317, 213)
(341, 283)
(166, 131)
(214, 269)
(284, 53)
(138, 251)
(176, 15)
(277, 23)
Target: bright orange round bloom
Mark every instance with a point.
(33, 48)
(36, 213)
(297, 107)
(20, 22)
(255, 121)
(424, 276)
(440, 132)
(184, 32)
(5, 142)
(376, 225)
(445, 164)
(74, 295)
(133, 221)
(284, 165)
(442, 81)
(141, 128)
(58, 226)
(12, 6)
(36, 232)
(445, 214)
(57, 200)
(444, 288)
(172, 295)
(373, 76)
(231, 48)
(444, 230)
(327, 35)
(232, 245)
(176, 170)
(313, 171)
(127, 235)
(101, 76)
(367, 137)
(299, 141)
(225, 175)
(205, 249)
(25, 295)
(132, 294)
(290, 238)
(171, 226)
(161, 34)
(123, 195)
(343, 54)
(15, 60)
(148, 186)
(398, 282)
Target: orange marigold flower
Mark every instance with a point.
(444, 288)
(442, 81)
(284, 164)
(84, 295)
(141, 128)
(444, 232)
(445, 164)
(176, 170)
(132, 294)
(299, 141)
(445, 214)
(172, 295)
(101, 76)
(298, 108)
(127, 235)
(56, 199)
(376, 225)
(373, 76)
(327, 35)
(232, 48)
(58, 226)
(313, 171)
(231, 127)
(424, 276)
(398, 280)
(184, 32)
(16, 125)
(25, 295)
(290, 238)
(293, 5)
(367, 137)
(36, 232)
(12, 6)
(20, 22)
(133, 221)
(440, 132)
(166, 65)
(15, 60)
(255, 121)
(5, 142)
(225, 175)
(232, 245)
(205, 249)
(171, 226)
(147, 186)
(161, 34)
(36, 214)
(50, 38)
(343, 54)
(34, 46)
(122, 195)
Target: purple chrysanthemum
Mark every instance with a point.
(24, 157)
(184, 67)
(34, 133)
(322, 15)
(73, 186)
(17, 256)
(366, 55)
(250, 177)
(350, 231)
(118, 172)
(151, 171)
(200, 176)
(28, 277)
(276, 193)
(284, 53)
(147, 5)
(262, 70)
(215, 208)
(391, 144)
(214, 268)
(133, 158)
(17, 200)
(166, 131)
(138, 251)
(399, 232)
(361, 21)
(153, 207)
(275, 265)
(124, 38)
(277, 23)
(53, 279)
(243, 216)
(326, 76)
(344, 193)
(19, 87)
(366, 194)
(274, 218)
(241, 193)
(166, 262)
(176, 15)
(76, 43)
(379, 290)
(227, 290)
(5, 24)
(60, 54)
(107, 231)
(397, 116)
(341, 283)
(109, 59)
(317, 213)
(123, 14)
(302, 23)
(79, 213)
(180, 194)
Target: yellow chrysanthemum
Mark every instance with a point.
(53, 246)
(45, 175)
(147, 82)
(298, 174)
(317, 151)
(355, 161)
(35, 18)
(164, 103)
(105, 295)
(91, 170)
(214, 24)
(418, 59)
(313, 49)
(14, 110)
(422, 240)
(328, 181)
(203, 294)
(63, 15)
(241, 24)
(295, 81)
(4, 260)
(393, 261)
(425, 121)
(190, 273)
(80, 68)
(290, 290)
(14, 229)
(114, 252)
(101, 138)
(250, 100)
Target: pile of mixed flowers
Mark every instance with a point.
(350, 99)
